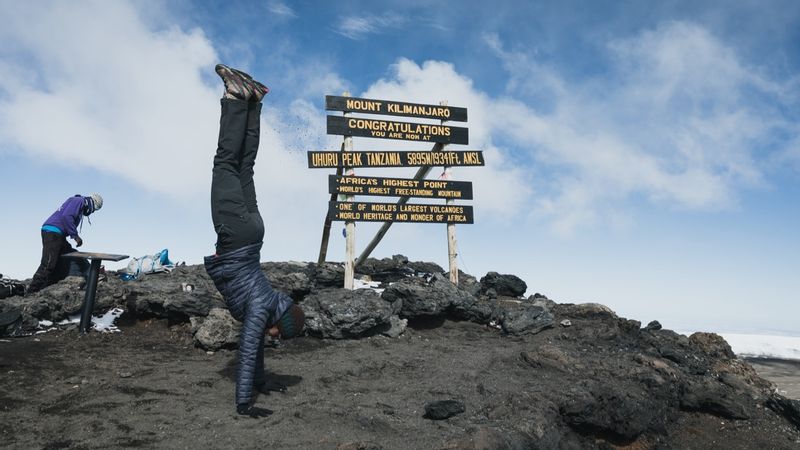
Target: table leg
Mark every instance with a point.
(91, 291)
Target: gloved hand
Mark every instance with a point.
(252, 411)
(270, 386)
(78, 241)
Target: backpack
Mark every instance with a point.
(141, 266)
(10, 288)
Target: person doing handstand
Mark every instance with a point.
(235, 268)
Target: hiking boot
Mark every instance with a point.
(258, 89)
(236, 85)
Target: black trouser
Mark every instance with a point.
(234, 209)
(52, 267)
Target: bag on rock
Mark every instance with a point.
(141, 266)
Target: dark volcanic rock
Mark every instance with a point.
(420, 298)
(467, 283)
(443, 409)
(525, 319)
(341, 313)
(396, 268)
(467, 307)
(386, 270)
(583, 311)
(618, 413)
(788, 408)
(188, 304)
(328, 275)
(713, 397)
(53, 303)
(712, 345)
(422, 268)
(506, 285)
(162, 295)
(653, 326)
(551, 357)
(217, 330)
(541, 300)
(293, 278)
(14, 323)
(397, 326)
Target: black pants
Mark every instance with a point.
(234, 209)
(52, 268)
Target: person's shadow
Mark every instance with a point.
(229, 371)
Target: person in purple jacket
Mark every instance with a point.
(62, 224)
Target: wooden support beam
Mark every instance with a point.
(326, 227)
(349, 226)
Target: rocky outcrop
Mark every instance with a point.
(341, 313)
(595, 381)
(788, 408)
(418, 297)
(411, 290)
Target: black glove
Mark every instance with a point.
(270, 386)
(251, 411)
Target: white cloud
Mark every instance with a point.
(501, 187)
(358, 27)
(680, 119)
(281, 9)
(118, 95)
(111, 94)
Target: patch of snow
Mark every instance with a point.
(75, 318)
(104, 323)
(424, 275)
(361, 284)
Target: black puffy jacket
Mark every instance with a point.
(252, 301)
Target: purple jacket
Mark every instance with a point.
(68, 217)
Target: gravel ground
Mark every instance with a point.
(149, 387)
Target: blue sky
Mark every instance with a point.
(643, 155)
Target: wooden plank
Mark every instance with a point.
(95, 255)
(393, 108)
(400, 187)
(332, 159)
(406, 131)
(326, 228)
(349, 226)
(393, 212)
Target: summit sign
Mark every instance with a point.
(435, 126)
(407, 131)
(394, 108)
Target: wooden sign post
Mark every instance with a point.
(346, 184)
(452, 247)
(350, 226)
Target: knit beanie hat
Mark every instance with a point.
(97, 200)
(291, 322)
